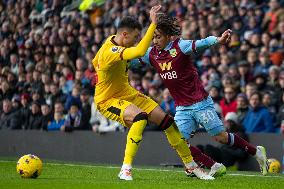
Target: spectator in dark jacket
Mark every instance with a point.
(5, 90)
(56, 94)
(242, 106)
(24, 110)
(35, 118)
(86, 110)
(9, 119)
(46, 115)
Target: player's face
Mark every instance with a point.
(131, 37)
(160, 40)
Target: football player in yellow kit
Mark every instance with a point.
(118, 101)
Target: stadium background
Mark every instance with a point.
(46, 48)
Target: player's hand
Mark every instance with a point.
(153, 13)
(226, 37)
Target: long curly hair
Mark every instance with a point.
(168, 25)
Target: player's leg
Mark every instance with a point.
(208, 118)
(129, 115)
(166, 122)
(234, 140)
(157, 116)
(177, 141)
(216, 169)
(138, 120)
(187, 124)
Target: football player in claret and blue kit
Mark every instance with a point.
(171, 58)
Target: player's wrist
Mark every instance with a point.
(218, 40)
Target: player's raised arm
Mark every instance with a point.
(141, 48)
(137, 62)
(189, 46)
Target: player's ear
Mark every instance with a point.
(168, 37)
(124, 33)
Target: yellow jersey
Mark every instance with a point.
(112, 72)
(111, 67)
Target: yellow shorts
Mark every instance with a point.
(114, 108)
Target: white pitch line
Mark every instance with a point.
(147, 169)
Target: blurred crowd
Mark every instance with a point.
(46, 51)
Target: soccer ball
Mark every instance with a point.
(273, 165)
(29, 166)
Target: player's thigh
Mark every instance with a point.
(143, 102)
(207, 116)
(185, 123)
(119, 110)
(157, 115)
(129, 113)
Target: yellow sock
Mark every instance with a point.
(178, 142)
(134, 138)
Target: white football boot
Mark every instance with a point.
(125, 173)
(261, 159)
(217, 170)
(193, 169)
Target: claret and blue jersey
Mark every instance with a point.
(175, 67)
(194, 106)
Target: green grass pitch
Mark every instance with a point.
(81, 176)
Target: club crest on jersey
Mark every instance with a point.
(173, 53)
(114, 49)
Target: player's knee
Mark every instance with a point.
(140, 116)
(222, 137)
(166, 122)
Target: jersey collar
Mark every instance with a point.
(112, 40)
(169, 46)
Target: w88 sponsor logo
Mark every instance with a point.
(169, 75)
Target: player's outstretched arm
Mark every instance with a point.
(141, 48)
(190, 46)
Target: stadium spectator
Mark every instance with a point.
(72, 98)
(242, 106)
(258, 118)
(16, 103)
(73, 119)
(168, 104)
(35, 117)
(57, 122)
(46, 115)
(245, 75)
(9, 118)
(228, 103)
(24, 110)
(86, 110)
(250, 88)
(273, 16)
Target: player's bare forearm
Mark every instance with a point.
(141, 48)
